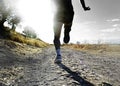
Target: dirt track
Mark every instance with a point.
(77, 69)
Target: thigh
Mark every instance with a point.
(57, 28)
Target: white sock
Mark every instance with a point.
(58, 52)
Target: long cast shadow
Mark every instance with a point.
(75, 76)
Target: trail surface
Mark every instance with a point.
(38, 69)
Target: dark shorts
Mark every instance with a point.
(64, 17)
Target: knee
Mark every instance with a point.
(68, 26)
(56, 39)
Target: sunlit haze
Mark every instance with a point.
(38, 15)
(102, 22)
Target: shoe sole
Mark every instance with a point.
(57, 61)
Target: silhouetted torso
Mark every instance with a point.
(64, 10)
(63, 5)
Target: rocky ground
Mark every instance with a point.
(23, 65)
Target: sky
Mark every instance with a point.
(101, 23)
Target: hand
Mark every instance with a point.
(87, 8)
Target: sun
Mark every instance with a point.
(37, 14)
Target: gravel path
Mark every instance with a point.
(77, 69)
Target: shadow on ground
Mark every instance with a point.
(75, 76)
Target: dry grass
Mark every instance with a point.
(87, 46)
(14, 36)
(96, 48)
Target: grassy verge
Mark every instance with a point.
(109, 49)
(15, 36)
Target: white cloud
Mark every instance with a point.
(115, 25)
(89, 22)
(110, 30)
(113, 20)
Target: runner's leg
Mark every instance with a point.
(67, 29)
(57, 33)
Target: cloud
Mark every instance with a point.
(113, 20)
(111, 30)
(89, 22)
(116, 25)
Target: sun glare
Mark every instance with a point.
(38, 15)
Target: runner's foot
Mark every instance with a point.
(66, 36)
(58, 59)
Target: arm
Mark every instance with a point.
(84, 6)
